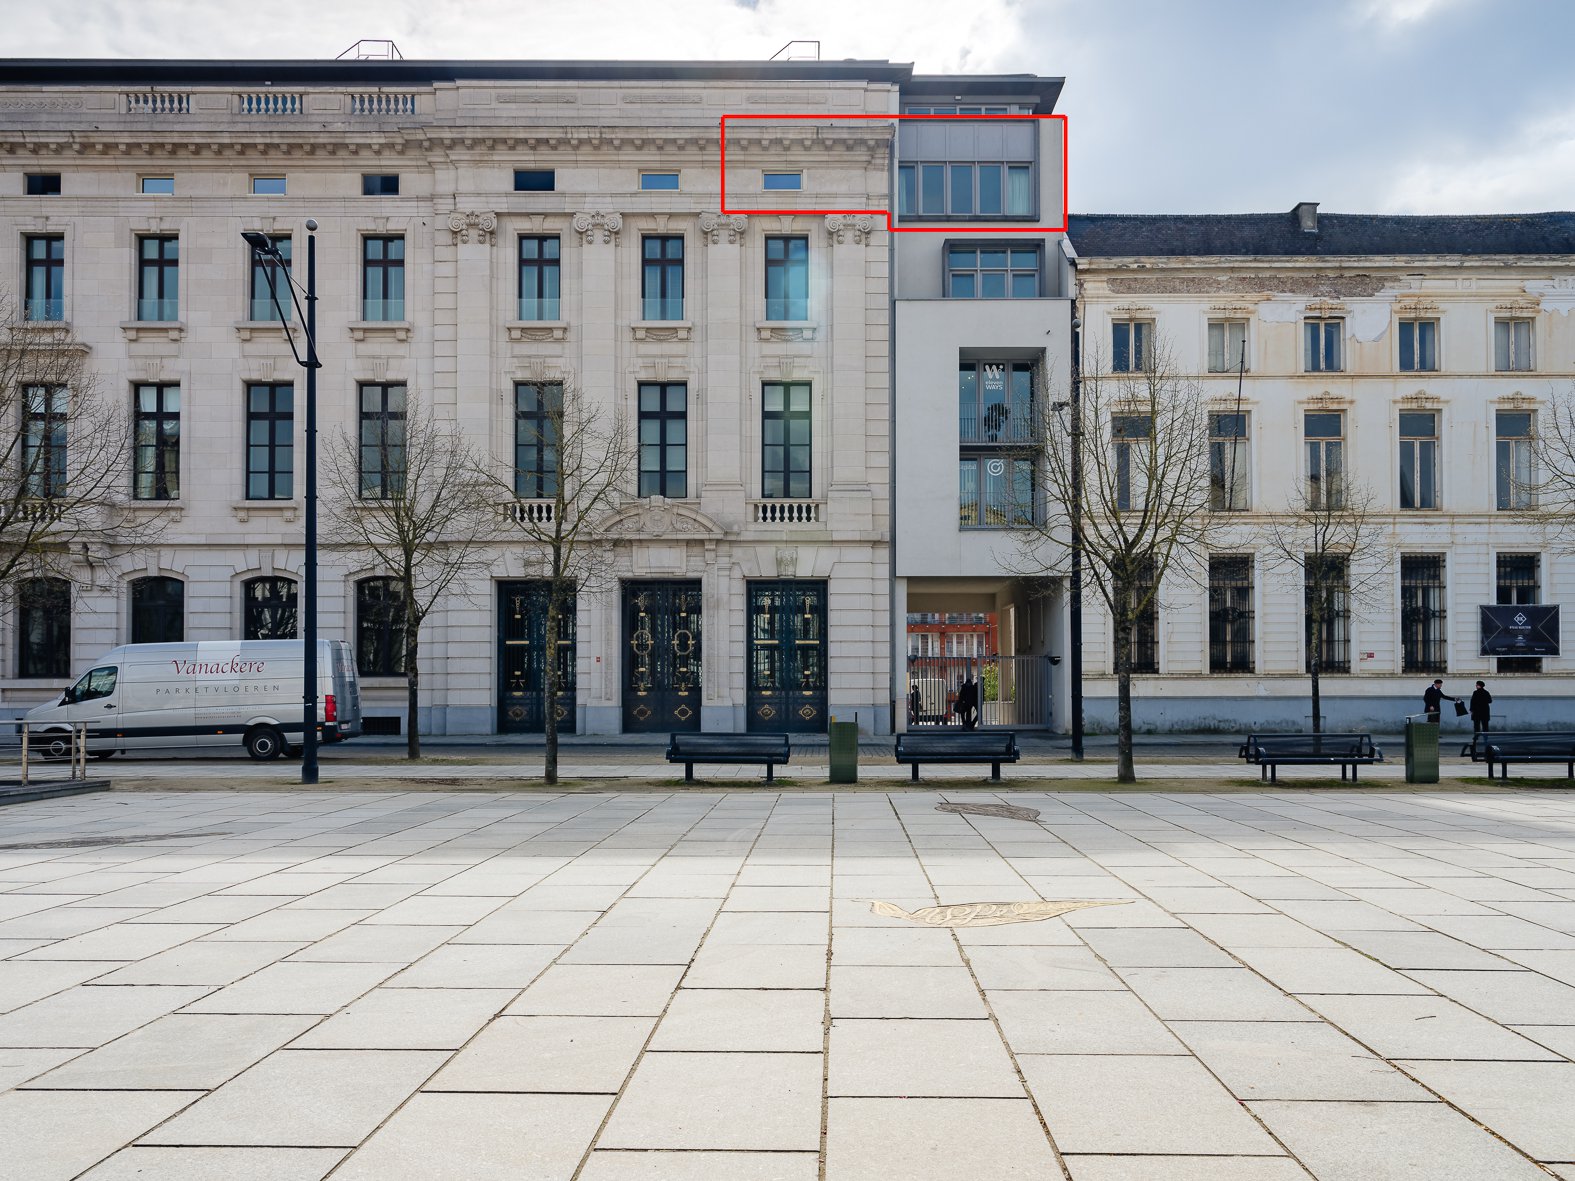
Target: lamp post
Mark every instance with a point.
(1074, 610)
(265, 250)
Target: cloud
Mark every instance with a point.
(1533, 171)
(1393, 16)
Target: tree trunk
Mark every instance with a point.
(550, 708)
(1125, 773)
(412, 689)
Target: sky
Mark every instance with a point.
(1174, 106)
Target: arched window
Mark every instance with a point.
(43, 627)
(269, 607)
(379, 628)
(158, 611)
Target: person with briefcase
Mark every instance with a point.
(1433, 698)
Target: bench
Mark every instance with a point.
(689, 749)
(1347, 751)
(979, 746)
(1535, 746)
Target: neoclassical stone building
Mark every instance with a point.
(1411, 356)
(487, 230)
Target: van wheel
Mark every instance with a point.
(264, 743)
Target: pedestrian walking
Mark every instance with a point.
(915, 706)
(1481, 700)
(968, 704)
(1434, 697)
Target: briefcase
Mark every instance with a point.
(1460, 709)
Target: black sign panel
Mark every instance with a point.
(1520, 631)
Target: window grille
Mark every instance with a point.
(1424, 643)
(1230, 614)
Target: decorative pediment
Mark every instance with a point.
(1326, 309)
(1518, 306)
(657, 518)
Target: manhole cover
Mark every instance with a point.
(97, 842)
(1000, 811)
(987, 914)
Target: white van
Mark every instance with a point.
(173, 698)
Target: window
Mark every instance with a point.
(1130, 346)
(659, 181)
(784, 439)
(44, 283)
(158, 611)
(383, 278)
(787, 278)
(270, 441)
(1511, 345)
(1321, 346)
(1418, 346)
(158, 278)
(1324, 433)
(1230, 614)
(44, 440)
(1132, 436)
(539, 277)
(995, 402)
(1327, 608)
(1143, 655)
(1229, 475)
(1227, 345)
(534, 180)
(992, 272)
(662, 277)
(380, 184)
(1516, 477)
(1419, 482)
(1519, 583)
(43, 627)
(269, 607)
(664, 439)
(262, 301)
(995, 491)
(980, 189)
(382, 441)
(538, 410)
(268, 186)
(43, 184)
(157, 442)
(782, 181)
(157, 186)
(1001, 109)
(379, 628)
(1423, 643)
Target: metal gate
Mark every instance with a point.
(661, 633)
(522, 661)
(787, 657)
(1013, 690)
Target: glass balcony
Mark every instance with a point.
(537, 308)
(45, 309)
(382, 309)
(158, 309)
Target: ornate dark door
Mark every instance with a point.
(522, 660)
(787, 657)
(661, 658)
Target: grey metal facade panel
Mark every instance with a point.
(1119, 235)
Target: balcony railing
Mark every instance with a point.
(44, 309)
(656, 308)
(785, 512)
(533, 308)
(269, 102)
(382, 310)
(155, 310)
(157, 103)
(382, 104)
(532, 512)
(263, 309)
(1000, 423)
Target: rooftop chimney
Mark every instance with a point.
(1307, 216)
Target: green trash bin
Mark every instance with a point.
(1421, 751)
(844, 752)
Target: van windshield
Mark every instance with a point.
(98, 682)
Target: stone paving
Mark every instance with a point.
(670, 986)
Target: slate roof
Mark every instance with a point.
(1121, 235)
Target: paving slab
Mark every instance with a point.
(296, 988)
(1293, 1060)
(548, 1054)
(206, 1164)
(55, 1135)
(758, 965)
(920, 1059)
(1186, 1168)
(616, 1165)
(765, 1102)
(904, 992)
(1211, 994)
(88, 1016)
(597, 990)
(439, 1137)
(181, 1052)
(1528, 1103)
(1080, 1023)
(711, 1019)
(936, 1140)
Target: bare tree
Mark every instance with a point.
(66, 454)
(1535, 474)
(1329, 543)
(572, 467)
(1141, 497)
(409, 491)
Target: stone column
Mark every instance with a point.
(848, 495)
(468, 386)
(598, 323)
(722, 324)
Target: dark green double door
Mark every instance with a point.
(662, 656)
(522, 661)
(787, 657)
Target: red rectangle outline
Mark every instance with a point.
(949, 228)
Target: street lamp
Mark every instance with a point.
(266, 252)
(1075, 582)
